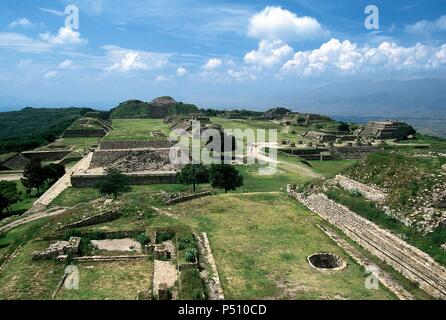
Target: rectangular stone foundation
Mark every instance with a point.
(87, 180)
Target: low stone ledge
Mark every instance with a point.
(188, 197)
(411, 262)
(57, 249)
(96, 219)
(109, 258)
(366, 191)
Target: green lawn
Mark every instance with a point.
(25, 279)
(261, 243)
(254, 181)
(331, 168)
(110, 281)
(136, 129)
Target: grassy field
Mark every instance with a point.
(24, 279)
(80, 143)
(261, 242)
(136, 129)
(260, 237)
(110, 281)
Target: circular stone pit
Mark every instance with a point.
(325, 261)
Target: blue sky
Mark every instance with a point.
(212, 53)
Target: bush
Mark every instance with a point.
(143, 239)
(198, 294)
(186, 241)
(164, 236)
(191, 255)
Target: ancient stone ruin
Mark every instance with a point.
(388, 129)
(59, 249)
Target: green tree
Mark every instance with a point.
(404, 132)
(53, 172)
(33, 176)
(225, 176)
(114, 182)
(193, 174)
(343, 127)
(9, 195)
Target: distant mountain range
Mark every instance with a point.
(420, 98)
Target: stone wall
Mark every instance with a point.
(18, 162)
(96, 219)
(136, 160)
(83, 133)
(351, 153)
(367, 192)
(189, 197)
(46, 155)
(113, 145)
(86, 181)
(414, 264)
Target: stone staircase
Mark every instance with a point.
(414, 264)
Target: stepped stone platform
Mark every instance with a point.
(366, 191)
(414, 264)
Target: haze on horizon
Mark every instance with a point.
(251, 54)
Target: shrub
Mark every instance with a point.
(355, 193)
(164, 236)
(186, 241)
(191, 255)
(143, 239)
(198, 294)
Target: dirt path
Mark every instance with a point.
(62, 184)
(11, 176)
(165, 272)
(37, 211)
(256, 151)
(30, 218)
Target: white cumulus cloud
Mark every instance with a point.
(275, 23)
(65, 36)
(22, 22)
(181, 72)
(269, 53)
(212, 64)
(125, 60)
(347, 58)
(427, 26)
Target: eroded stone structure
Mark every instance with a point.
(388, 129)
(414, 264)
(58, 249)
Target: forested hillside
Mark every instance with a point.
(140, 109)
(31, 128)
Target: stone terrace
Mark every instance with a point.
(408, 260)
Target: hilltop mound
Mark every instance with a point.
(163, 101)
(276, 113)
(158, 108)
